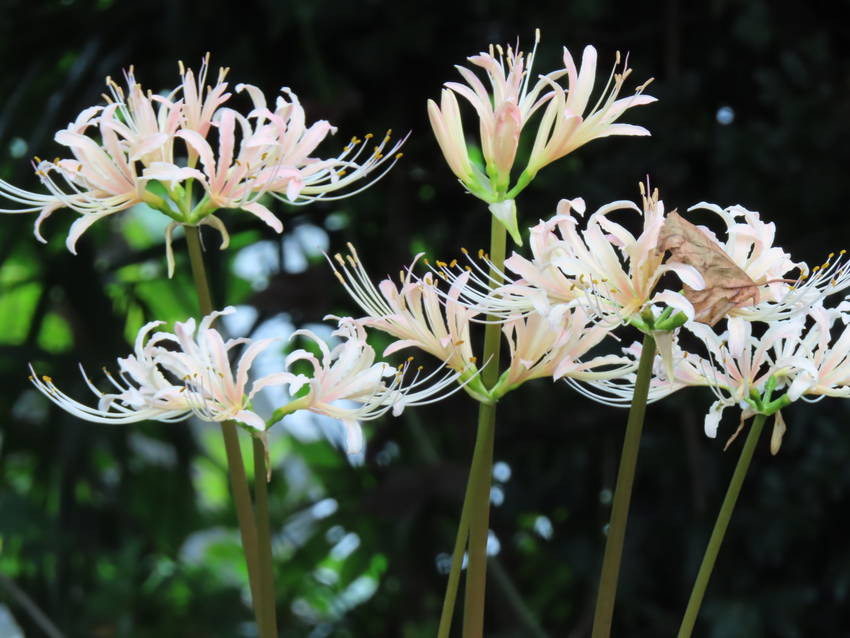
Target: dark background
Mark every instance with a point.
(94, 524)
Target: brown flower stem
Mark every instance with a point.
(482, 460)
(610, 573)
(235, 466)
(720, 526)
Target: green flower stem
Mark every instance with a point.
(479, 518)
(457, 562)
(482, 461)
(720, 526)
(622, 496)
(235, 467)
(261, 519)
(199, 271)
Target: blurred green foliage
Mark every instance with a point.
(130, 532)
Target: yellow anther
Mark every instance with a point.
(464, 250)
(453, 263)
(368, 136)
(441, 264)
(47, 379)
(399, 155)
(468, 268)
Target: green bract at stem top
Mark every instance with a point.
(176, 202)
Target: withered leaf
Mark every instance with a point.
(727, 286)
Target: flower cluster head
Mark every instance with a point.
(765, 336)
(506, 105)
(349, 385)
(153, 149)
(173, 375)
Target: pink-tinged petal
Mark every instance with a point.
(251, 419)
(46, 212)
(247, 359)
(165, 172)
(778, 432)
(215, 222)
(294, 187)
(580, 93)
(256, 95)
(712, 419)
(622, 129)
(265, 214)
(401, 344)
(148, 145)
(277, 379)
(80, 226)
(353, 436)
(226, 141)
(196, 142)
(169, 249)
(676, 300)
(688, 275)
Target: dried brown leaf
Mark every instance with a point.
(727, 286)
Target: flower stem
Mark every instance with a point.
(235, 466)
(478, 489)
(720, 526)
(261, 518)
(454, 574)
(610, 573)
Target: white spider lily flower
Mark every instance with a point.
(291, 173)
(604, 267)
(539, 348)
(567, 122)
(199, 101)
(749, 243)
(412, 311)
(230, 180)
(348, 374)
(202, 362)
(131, 159)
(160, 383)
(619, 391)
(505, 107)
(102, 178)
(142, 391)
(829, 371)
